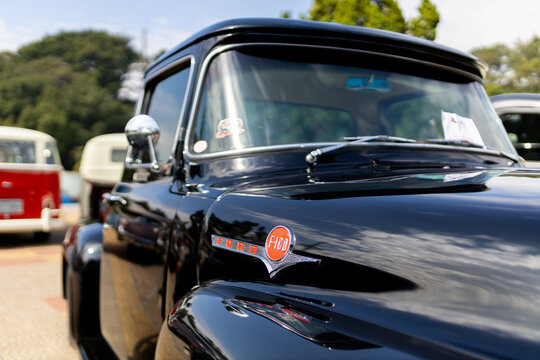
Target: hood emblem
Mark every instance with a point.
(276, 253)
(278, 243)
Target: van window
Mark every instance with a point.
(50, 154)
(17, 151)
(118, 155)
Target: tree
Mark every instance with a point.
(425, 25)
(98, 53)
(379, 14)
(512, 69)
(498, 80)
(47, 95)
(65, 85)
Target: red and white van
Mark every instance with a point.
(29, 182)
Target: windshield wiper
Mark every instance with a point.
(311, 157)
(453, 142)
(466, 143)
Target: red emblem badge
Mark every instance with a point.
(277, 252)
(278, 243)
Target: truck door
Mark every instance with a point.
(138, 226)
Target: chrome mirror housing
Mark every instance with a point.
(142, 132)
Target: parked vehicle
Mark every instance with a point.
(101, 166)
(70, 186)
(520, 114)
(29, 182)
(102, 163)
(299, 189)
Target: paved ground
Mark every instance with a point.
(33, 323)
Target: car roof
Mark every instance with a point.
(17, 133)
(113, 139)
(516, 100)
(318, 28)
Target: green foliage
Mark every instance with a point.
(512, 69)
(95, 52)
(379, 14)
(52, 88)
(286, 14)
(425, 25)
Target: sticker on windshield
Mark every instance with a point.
(229, 126)
(457, 127)
(200, 146)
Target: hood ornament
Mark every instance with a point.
(277, 251)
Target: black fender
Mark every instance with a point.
(81, 262)
(234, 320)
(258, 320)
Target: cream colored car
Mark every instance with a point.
(101, 167)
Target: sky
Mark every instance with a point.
(465, 24)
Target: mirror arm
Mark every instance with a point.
(155, 166)
(133, 163)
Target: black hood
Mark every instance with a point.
(443, 255)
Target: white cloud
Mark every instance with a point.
(163, 38)
(466, 24)
(12, 38)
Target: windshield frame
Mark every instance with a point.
(197, 99)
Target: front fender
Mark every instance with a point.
(82, 255)
(82, 244)
(227, 320)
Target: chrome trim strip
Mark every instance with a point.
(221, 49)
(305, 146)
(259, 252)
(196, 98)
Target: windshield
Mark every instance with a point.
(17, 152)
(255, 98)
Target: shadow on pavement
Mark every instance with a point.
(22, 240)
(70, 214)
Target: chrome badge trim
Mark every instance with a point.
(259, 251)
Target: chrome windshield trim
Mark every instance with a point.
(304, 147)
(272, 148)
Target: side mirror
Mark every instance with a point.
(142, 132)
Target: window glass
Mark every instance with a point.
(524, 131)
(118, 155)
(165, 107)
(17, 151)
(526, 127)
(256, 97)
(50, 154)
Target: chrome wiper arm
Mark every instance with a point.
(378, 138)
(312, 157)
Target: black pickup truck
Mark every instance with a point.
(296, 189)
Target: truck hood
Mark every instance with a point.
(450, 257)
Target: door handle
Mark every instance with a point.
(114, 199)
